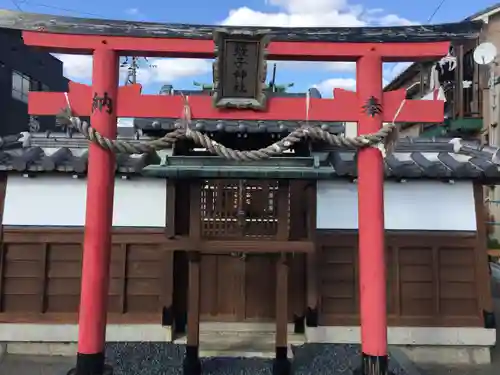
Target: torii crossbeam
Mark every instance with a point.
(130, 103)
(106, 40)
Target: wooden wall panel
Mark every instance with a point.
(42, 275)
(432, 279)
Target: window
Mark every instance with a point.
(20, 86)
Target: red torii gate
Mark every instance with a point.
(107, 40)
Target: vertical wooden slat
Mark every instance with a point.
(282, 266)
(460, 81)
(483, 286)
(240, 301)
(312, 298)
(43, 277)
(123, 278)
(436, 281)
(3, 190)
(396, 280)
(193, 316)
(3, 247)
(283, 210)
(281, 301)
(195, 210)
(355, 268)
(170, 211)
(193, 305)
(3, 250)
(476, 87)
(167, 279)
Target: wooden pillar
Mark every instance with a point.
(311, 260)
(192, 365)
(483, 285)
(372, 265)
(98, 220)
(281, 365)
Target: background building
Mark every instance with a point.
(472, 95)
(24, 69)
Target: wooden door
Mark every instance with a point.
(260, 290)
(235, 288)
(222, 288)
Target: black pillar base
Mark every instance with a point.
(167, 316)
(180, 323)
(373, 365)
(91, 364)
(191, 364)
(489, 319)
(299, 324)
(312, 317)
(281, 364)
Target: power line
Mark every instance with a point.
(133, 64)
(16, 4)
(42, 5)
(436, 10)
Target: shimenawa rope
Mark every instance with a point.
(382, 139)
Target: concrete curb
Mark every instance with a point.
(402, 359)
(3, 350)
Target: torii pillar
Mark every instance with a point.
(98, 219)
(371, 230)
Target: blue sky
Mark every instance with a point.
(252, 12)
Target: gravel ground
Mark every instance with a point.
(166, 359)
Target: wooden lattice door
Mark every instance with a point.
(240, 209)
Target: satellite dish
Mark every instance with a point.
(485, 53)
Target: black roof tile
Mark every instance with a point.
(235, 126)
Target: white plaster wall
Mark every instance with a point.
(60, 201)
(414, 205)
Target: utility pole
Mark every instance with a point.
(133, 64)
(132, 67)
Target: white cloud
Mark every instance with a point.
(79, 68)
(245, 16)
(312, 13)
(167, 70)
(132, 11)
(341, 66)
(396, 69)
(317, 13)
(285, 13)
(326, 87)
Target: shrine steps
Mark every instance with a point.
(253, 340)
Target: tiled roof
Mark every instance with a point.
(414, 158)
(235, 126)
(440, 158)
(56, 152)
